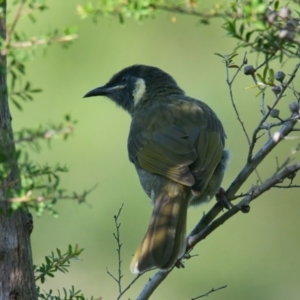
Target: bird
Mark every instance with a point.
(177, 145)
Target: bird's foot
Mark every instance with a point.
(179, 264)
(220, 196)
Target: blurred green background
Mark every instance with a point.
(256, 254)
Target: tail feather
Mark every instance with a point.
(165, 240)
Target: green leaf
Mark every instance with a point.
(271, 74)
(260, 77)
(242, 28)
(16, 103)
(265, 73)
(218, 54)
(248, 35)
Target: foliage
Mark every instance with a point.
(58, 262)
(39, 187)
(270, 30)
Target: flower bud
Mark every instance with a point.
(294, 107)
(284, 13)
(249, 70)
(276, 89)
(274, 113)
(279, 76)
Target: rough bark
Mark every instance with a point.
(16, 273)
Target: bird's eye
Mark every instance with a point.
(124, 79)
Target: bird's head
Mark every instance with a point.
(133, 86)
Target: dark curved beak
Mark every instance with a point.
(102, 91)
(99, 91)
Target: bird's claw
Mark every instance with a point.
(220, 196)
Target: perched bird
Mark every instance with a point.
(176, 144)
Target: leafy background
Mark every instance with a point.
(256, 254)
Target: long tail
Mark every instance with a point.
(165, 240)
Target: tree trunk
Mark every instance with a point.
(16, 272)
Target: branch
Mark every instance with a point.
(29, 197)
(258, 128)
(192, 12)
(278, 136)
(118, 279)
(202, 230)
(211, 291)
(230, 83)
(152, 284)
(38, 42)
(15, 21)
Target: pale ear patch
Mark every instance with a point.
(139, 90)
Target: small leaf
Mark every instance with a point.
(271, 74)
(232, 55)
(16, 103)
(242, 29)
(265, 73)
(218, 54)
(260, 78)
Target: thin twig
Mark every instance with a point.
(119, 246)
(266, 61)
(38, 42)
(211, 291)
(15, 21)
(252, 194)
(130, 284)
(229, 83)
(118, 279)
(286, 186)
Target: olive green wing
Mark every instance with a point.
(179, 141)
(167, 151)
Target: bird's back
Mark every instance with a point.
(182, 132)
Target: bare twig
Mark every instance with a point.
(286, 186)
(118, 279)
(211, 291)
(266, 61)
(230, 83)
(129, 285)
(119, 246)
